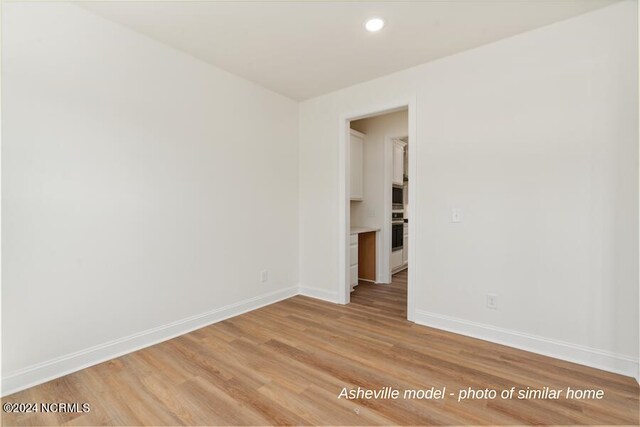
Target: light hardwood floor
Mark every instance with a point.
(286, 364)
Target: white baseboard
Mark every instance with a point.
(55, 368)
(320, 294)
(583, 355)
(399, 269)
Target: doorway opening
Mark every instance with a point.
(377, 188)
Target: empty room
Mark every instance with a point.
(320, 213)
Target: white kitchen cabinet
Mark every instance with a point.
(353, 280)
(357, 170)
(353, 254)
(396, 259)
(353, 260)
(398, 162)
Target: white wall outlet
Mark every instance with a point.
(492, 301)
(264, 276)
(456, 215)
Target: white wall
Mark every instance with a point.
(140, 187)
(535, 138)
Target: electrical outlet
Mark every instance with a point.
(492, 301)
(456, 215)
(264, 276)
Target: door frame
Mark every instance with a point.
(344, 185)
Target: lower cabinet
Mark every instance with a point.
(396, 259)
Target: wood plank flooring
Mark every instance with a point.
(285, 364)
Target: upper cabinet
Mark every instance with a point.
(398, 162)
(357, 177)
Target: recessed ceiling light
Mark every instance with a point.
(374, 24)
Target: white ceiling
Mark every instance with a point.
(304, 49)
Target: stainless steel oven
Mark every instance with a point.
(397, 230)
(397, 197)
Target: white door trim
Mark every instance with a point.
(344, 214)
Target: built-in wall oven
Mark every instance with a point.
(397, 230)
(397, 197)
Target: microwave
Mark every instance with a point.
(397, 197)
